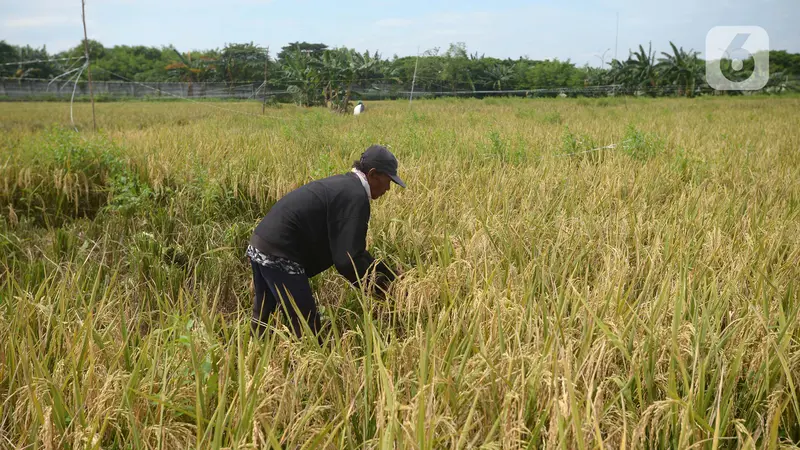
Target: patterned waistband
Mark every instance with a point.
(275, 262)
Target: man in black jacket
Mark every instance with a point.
(316, 226)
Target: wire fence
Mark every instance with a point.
(63, 87)
(39, 61)
(33, 88)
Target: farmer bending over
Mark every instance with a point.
(317, 225)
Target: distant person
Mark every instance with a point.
(321, 224)
(359, 108)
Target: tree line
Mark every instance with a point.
(314, 73)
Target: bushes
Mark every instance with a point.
(640, 145)
(59, 176)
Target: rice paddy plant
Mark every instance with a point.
(644, 296)
(641, 145)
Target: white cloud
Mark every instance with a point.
(244, 3)
(470, 19)
(39, 22)
(394, 23)
(536, 29)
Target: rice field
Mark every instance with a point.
(556, 294)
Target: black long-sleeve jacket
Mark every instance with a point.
(321, 224)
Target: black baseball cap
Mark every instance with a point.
(381, 159)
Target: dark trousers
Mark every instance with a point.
(275, 289)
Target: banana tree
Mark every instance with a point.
(331, 69)
(342, 68)
(643, 68)
(681, 69)
(361, 67)
(597, 76)
(302, 76)
(637, 72)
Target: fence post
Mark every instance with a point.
(266, 65)
(88, 63)
(414, 79)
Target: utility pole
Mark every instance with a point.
(88, 65)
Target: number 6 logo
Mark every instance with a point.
(732, 47)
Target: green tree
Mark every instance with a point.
(455, 71)
(241, 62)
(638, 72)
(642, 67)
(428, 69)
(138, 63)
(300, 72)
(314, 50)
(500, 75)
(45, 67)
(8, 54)
(341, 69)
(784, 71)
(596, 76)
(96, 50)
(192, 69)
(554, 74)
(681, 68)
(781, 61)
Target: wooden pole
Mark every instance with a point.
(414, 79)
(88, 64)
(616, 38)
(266, 64)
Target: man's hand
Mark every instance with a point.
(383, 277)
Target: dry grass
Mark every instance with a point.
(640, 297)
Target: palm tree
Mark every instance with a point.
(190, 69)
(499, 75)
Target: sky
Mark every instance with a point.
(583, 31)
